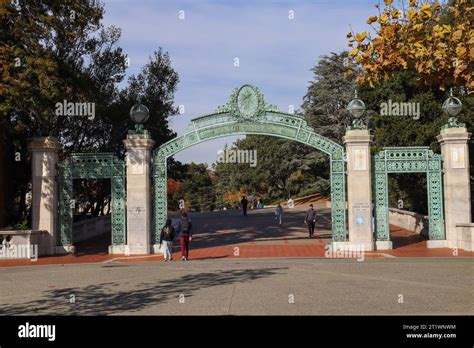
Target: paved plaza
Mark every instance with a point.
(277, 270)
(246, 286)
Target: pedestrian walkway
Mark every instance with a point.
(228, 234)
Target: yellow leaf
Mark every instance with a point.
(361, 36)
(354, 52)
(457, 35)
(349, 73)
(460, 50)
(426, 7)
(411, 15)
(388, 2)
(372, 19)
(395, 14)
(413, 3)
(383, 19)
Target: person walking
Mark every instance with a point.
(244, 204)
(184, 227)
(279, 213)
(310, 220)
(166, 238)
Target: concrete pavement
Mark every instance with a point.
(245, 286)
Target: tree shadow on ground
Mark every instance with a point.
(103, 299)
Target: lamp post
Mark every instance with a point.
(357, 109)
(139, 114)
(452, 106)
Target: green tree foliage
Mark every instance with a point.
(59, 50)
(195, 189)
(324, 105)
(284, 168)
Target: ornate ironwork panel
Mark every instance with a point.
(417, 159)
(261, 120)
(93, 166)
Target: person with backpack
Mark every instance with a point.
(166, 238)
(310, 220)
(184, 227)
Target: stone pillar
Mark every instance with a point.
(45, 189)
(139, 148)
(457, 189)
(359, 187)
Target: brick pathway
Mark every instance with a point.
(231, 235)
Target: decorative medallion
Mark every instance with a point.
(247, 103)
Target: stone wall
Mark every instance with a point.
(409, 221)
(465, 234)
(23, 244)
(89, 228)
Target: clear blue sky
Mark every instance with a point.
(276, 53)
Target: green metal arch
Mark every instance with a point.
(271, 123)
(94, 166)
(414, 159)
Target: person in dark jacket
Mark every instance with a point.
(244, 202)
(310, 220)
(166, 238)
(184, 227)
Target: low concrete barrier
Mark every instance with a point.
(465, 236)
(409, 221)
(89, 228)
(23, 244)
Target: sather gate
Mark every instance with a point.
(246, 113)
(91, 166)
(415, 159)
(137, 216)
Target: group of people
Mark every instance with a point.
(251, 202)
(309, 220)
(184, 229)
(185, 234)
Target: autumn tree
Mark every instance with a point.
(436, 41)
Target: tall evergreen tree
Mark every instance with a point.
(324, 105)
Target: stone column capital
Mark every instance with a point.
(138, 142)
(357, 136)
(44, 144)
(453, 135)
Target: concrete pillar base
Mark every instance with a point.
(62, 250)
(434, 244)
(349, 246)
(136, 249)
(117, 249)
(383, 245)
